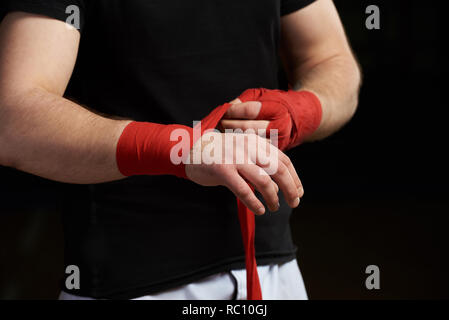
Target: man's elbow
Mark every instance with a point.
(343, 113)
(6, 156)
(7, 139)
(357, 84)
(5, 159)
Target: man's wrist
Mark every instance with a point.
(295, 114)
(306, 112)
(153, 149)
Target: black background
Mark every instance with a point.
(376, 192)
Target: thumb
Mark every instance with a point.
(247, 110)
(251, 95)
(236, 101)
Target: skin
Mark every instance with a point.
(45, 134)
(253, 171)
(317, 57)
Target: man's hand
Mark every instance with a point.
(254, 169)
(254, 115)
(293, 115)
(317, 58)
(244, 116)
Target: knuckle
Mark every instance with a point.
(265, 183)
(222, 171)
(285, 158)
(243, 192)
(281, 170)
(293, 193)
(247, 111)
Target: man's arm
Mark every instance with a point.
(318, 58)
(40, 131)
(44, 134)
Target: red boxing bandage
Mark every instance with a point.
(154, 149)
(295, 114)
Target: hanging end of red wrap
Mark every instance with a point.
(247, 225)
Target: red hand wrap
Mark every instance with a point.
(246, 219)
(149, 149)
(146, 149)
(295, 114)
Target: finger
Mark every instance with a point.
(242, 191)
(288, 163)
(245, 125)
(247, 110)
(287, 185)
(271, 162)
(276, 187)
(263, 183)
(236, 101)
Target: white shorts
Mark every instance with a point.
(278, 282)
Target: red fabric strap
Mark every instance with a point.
(295, 114)
(246, 219)
(147, 149)
(248, 230)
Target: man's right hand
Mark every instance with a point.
(44, 134)
(248, 159)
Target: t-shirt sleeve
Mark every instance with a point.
(57, 9)
(289, 6)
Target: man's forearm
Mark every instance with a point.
(323, 97)
(336, 82)
(49, 136)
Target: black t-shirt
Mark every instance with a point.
(165, 61)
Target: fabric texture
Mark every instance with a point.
(145, 149)
(295, 114)
(289, 6)
(56, 9)
(280, 282)
(165, 62)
